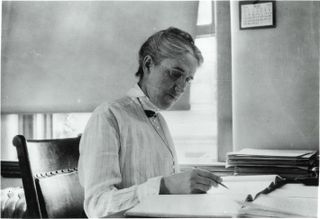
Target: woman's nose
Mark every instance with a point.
(180, 85)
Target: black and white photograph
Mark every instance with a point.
(164, 109)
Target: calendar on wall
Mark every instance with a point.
(257, 14)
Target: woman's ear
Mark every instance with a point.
(147, 64)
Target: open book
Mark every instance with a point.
(266, 206)
(238, 200)
(248, 187)
(290, 200)
(270, 196)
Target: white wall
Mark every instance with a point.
(275, 74)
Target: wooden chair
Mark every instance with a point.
(50, 178)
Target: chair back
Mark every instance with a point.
(50, 177)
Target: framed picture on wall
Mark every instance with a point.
(257, 14)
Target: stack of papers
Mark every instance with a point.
(286, 163)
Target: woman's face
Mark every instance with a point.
(165, 82)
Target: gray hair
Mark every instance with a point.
(168, 43)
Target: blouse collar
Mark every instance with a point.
(136, 92)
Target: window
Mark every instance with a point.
(9, 128)
(69, 125)
(194, 131)
(204, 13)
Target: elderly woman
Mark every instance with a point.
(126, 150)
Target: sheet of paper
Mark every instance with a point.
(291, 200)
(273, 153)
(202, 205)
(265, 205)
(244, 185)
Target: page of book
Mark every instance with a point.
(266, 206)
(245, 185)
(291, 200)
(200, 205)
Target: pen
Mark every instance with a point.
(222, 185)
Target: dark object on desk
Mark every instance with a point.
(49, 176)
(315, 171)
(308, 181)
(279, 182)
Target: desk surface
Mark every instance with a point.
(291, 200)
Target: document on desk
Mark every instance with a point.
(267, 206)
(218, 202)
(290, 200)
(244, 185)
(195, 205)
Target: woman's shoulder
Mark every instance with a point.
(117, 105)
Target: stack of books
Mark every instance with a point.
(286, 163)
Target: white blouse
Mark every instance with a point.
(124, 154)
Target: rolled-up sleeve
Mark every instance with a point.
(99, 168)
